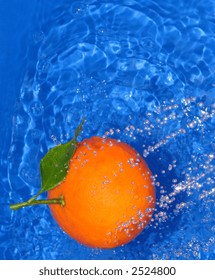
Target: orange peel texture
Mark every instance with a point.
(109, 194)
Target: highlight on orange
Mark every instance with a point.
(109, 195)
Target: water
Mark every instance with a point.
(139, 71)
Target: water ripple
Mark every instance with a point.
(139, 71)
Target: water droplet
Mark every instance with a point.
(192, 124)
(170, 167)
(149, 198)
(111, 144)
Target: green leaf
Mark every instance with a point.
(54, 165)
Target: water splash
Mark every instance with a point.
(148, 82)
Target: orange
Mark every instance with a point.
(108, 192)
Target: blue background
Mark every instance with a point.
(139, 71)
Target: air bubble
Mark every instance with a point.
(36, 109)
(43, 66)
(27, 174)
(149, 199)
(78, 9)
(38, 36)
(149, 45)
(101, 31)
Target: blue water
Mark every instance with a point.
(140, 71)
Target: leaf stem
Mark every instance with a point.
(34, 197)
(59, 200)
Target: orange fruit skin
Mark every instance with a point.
(109, 194)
